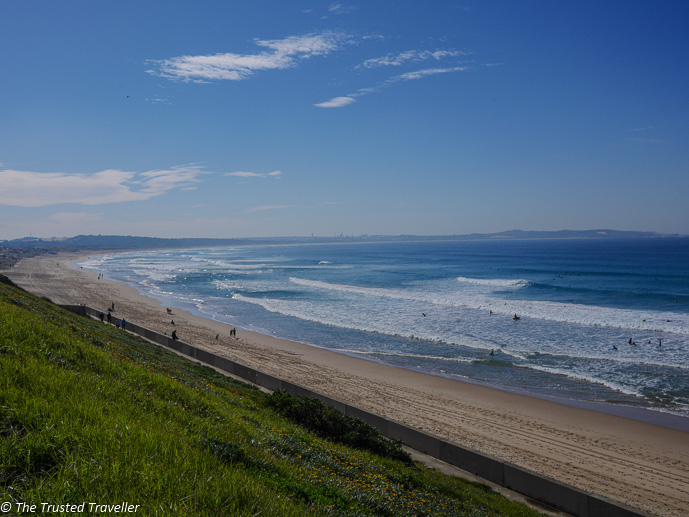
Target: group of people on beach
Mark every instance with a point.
(233, 332)
(117, 322)
(122, 323)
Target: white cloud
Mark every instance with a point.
(282, 54)
(160, 181)
(641, 138)
(342, 9)
(240, 174)
(159, 100)
(33, 189)
(399, 59)
(337, 102)
(267, 207)
(414, 56)
(420, 74)
(305, 46)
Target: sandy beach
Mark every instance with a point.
(643, 465)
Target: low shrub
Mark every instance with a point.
(328, 422)
(5, 280)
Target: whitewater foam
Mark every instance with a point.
(494, 282)
(437, 307)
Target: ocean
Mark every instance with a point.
(603, 321)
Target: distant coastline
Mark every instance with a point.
(122, 242)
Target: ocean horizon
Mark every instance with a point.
(581, 320)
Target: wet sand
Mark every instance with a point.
(640, 464)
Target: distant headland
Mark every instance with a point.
(114, 242)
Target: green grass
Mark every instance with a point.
(89, 413)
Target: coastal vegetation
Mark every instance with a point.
(92, 414)
(9, 256)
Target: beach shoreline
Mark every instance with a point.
(635, 462)
(624, 408)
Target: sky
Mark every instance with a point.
(291, 118)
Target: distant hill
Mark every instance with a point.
(567, 234)
(121, 242)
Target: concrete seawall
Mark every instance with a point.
(553, 493)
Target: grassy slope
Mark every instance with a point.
(91, 413)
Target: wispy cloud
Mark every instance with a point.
(33, 189)
(240, 174)
(336, 102)
(410, 56)
(281, 54)
(399, 59)
(342, 9)
(158, 100)
(420, 74)
(339, 102)
(638, 129)
(267, 207)
(159, 181)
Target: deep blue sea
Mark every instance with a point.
(442, 307)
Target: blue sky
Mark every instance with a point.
(275, 118)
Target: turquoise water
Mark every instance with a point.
(442, 307)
